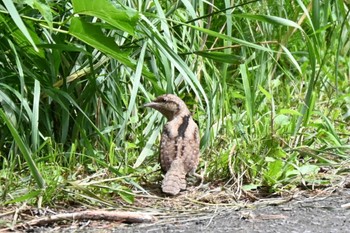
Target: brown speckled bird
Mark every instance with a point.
(179, 147)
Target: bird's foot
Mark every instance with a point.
(199, 177)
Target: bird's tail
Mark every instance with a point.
(175, 178)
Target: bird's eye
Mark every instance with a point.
(160, 100)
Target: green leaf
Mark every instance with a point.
(18, 21)
(88, 194)
(290, 112)
(331, 130)
(92, 34)
(274, 172)
(35, 115)
(44, 10)
(292, 59)
(221, 57)
(309, 169)
(249, 187)
(265, 92)
(27, 154)
(269, 159)
(124, 18)
(64, 47)
(186, 73)
(147, 151)
(20, 44)
(276, 152)
(135, 87)
(281, 120)
(249, 99)
(127, 195)
(229, 38)
(237, 95)
(269, 19)
(316, 9)
(25, 197)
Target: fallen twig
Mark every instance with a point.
(128, 217)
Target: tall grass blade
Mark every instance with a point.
(18, 21)
(35, 116)
(27, 154)
(249, 101)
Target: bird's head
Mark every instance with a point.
(169, 105)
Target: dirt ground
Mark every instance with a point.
(328, 213)
(316, 211)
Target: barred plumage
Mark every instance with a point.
(179, 147)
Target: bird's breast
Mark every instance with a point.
(180, 127)
(180, 140)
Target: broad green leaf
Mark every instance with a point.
(281, 120)
(92, 34)
(276, 153)
(309, 169)
(122, 18)
(274, 171)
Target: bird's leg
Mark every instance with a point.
(199, 176)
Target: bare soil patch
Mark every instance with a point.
(325, 210)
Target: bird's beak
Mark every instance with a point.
(150, 105)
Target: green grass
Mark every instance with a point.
(267, 81)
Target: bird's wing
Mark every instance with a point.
(167, 150)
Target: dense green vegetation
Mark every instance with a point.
(268, 82)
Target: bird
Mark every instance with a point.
(179, 145)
